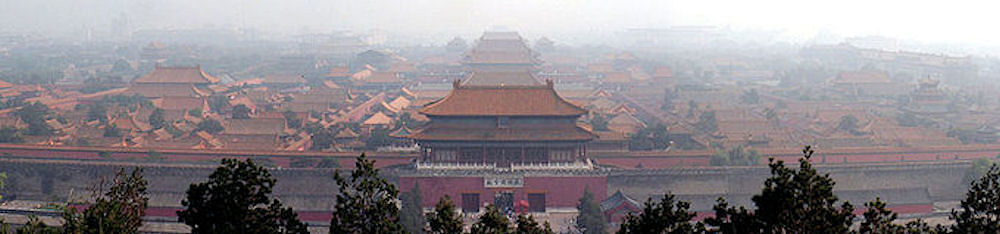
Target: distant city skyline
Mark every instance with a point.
(958, 22)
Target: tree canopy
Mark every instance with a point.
(444, 219)
(366, 203)
(236, 199)
(667, 216)
(792, 201)
(590, 220)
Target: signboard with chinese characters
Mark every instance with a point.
(503, 181)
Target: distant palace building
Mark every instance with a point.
(174, 82)
(503, 138)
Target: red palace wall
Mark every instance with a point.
(559, 191)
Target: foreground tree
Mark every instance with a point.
(879, 219)
(792, 201)
(666, 216)
(412, 214)
(119, 210)
(590, 220)
(236, 199)
(980, 211)
(444, 219)
(366, 203)
(527, 225)
(491, 222)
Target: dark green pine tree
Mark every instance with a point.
(980, 211)
(666, 216)
(492, 222)
(156, 119)
(236, 199)
(119, 210)
(444, 219)
(366, 203)
(590, 220)
(411, 215)
(241, 112)
(527, 225)
(792, 201)
(879, 219)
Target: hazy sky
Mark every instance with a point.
(954, 21)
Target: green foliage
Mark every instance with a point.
(97, 111)
(156, 119)
(196, 112)
(849, 123)
(666, 216)
(322, 139)
(878, 219)
(119, 210)
(236, 199)
(492, 222)
(707, 122)
(979, 168)
(36, 226)
(980, 211)
(111, 130)
(241, 112)
(792, 201)
(668, 99)
(132, 102)
(444, 219)
(379, 137)
(599, 122)
(34, 115)
(527, 225)
(292, 119)
(590, 220)
(210, 126)
(411, 216)
(736, 156)
(366, 203)
(3, 181)
(650, 138)
(10, 134)
(218, 102)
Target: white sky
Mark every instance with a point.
(953, 21)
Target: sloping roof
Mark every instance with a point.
(378, 119)
(4, 84)
(438, 132)
(331, 85)
(400, 103)
(254, 127)
(339, 72)
(383, 77)
(501, 78)
(346, 133)
(503, 101)
(193, 75)
(401, 132)
(500, 35)
(179, 103)
(617, 199)
(625, 119)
